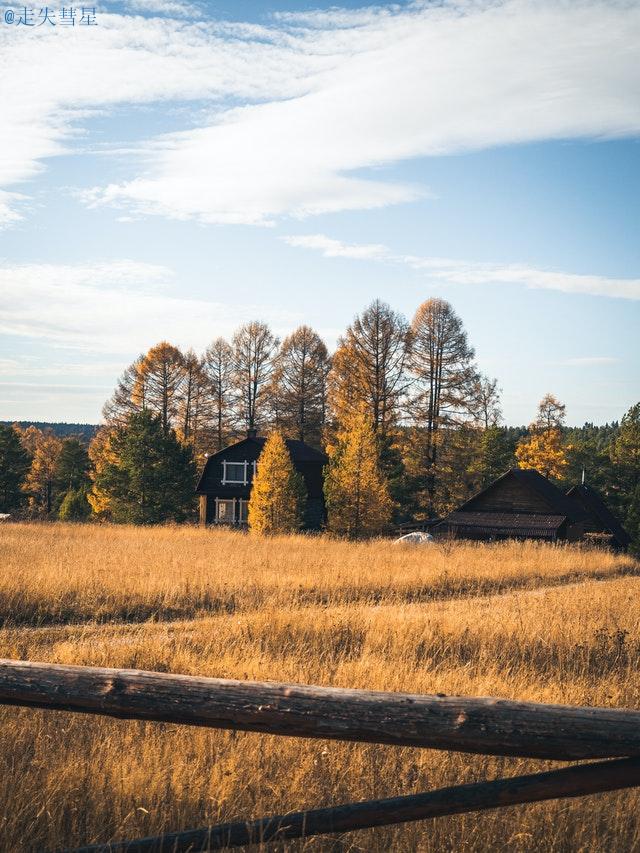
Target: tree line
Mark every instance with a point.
(406, 394)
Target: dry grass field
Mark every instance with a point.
(520, 621)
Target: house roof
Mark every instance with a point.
(556, 500)
(591, 501)
(300, 453)
(506, 523)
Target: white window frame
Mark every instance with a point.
(226, 501)
(226, 481)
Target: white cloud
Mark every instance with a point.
(591, 361)
(173, 8)
(320, 99)
(121, 307)
(450, 271)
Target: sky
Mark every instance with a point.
(178, 168)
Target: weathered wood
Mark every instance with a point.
(488, 726)
(575, 781)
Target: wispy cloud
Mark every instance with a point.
(591, 361)
(121, 307)
(448, 271)
(321, 100)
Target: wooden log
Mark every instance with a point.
(576, 781)
(489, 726)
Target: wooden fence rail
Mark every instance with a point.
(485, 726)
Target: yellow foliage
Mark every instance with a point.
(277, 496)
(45, 449)
(543, 451)
(101, 453)
(358, 501)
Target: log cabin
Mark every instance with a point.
(521, 504)
(225, 484)
(601, 527)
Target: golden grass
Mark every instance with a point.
(523, 621)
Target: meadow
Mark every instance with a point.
(525, 621)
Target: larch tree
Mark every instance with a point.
(486, 402)
(194, 414)
(40, 482)
(543, 449)
(101, 454)
(161, 377)
(218, 364)
(441, 364)
(300, 385)
(14, 464)
(358, 502)
(254, 353)
(276, 503)
(370, 366)
(128, 397)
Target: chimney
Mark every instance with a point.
(252, 433)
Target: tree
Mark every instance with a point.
(149, 477)
(358, 501)
(194, 415)
(276, 503)
(101, 455)
(129, 395)
(551, 413)
(254, 352)
(441, 362)
(625, 451)
(74, 506)
(41, 479)
(14, 464)
(486, 394)
(369, 368)
(161, 375)
(496, 454)
(543, 451)
(72, 466)
(300, 385)
(218, 364)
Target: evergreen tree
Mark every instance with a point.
(74, 506)
(496, 454)
(72, 466)
(149, 475)
(276, 504)
(358, 501)
(14, 464)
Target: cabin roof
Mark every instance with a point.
(506, 523)
(591, 501)
(556, 500)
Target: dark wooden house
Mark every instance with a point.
(521, 504)
(601, 527)
(225, 484)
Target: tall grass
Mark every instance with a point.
(522, 621)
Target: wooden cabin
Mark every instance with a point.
(225, 484)
(601, 527)
(521, 504)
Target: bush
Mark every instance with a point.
(75, 506)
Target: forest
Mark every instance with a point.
(401, 408)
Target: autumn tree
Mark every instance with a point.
(543, 449)
(254, 352)
(161, 378)
(195, 407)
(486, 401)
(278, 495)
(218, 364)
(358, 502)
(129, 395)
(14, 464)
(300, 385)
(369, 367)
(101, 454)
(441, 363)
(40, 481)
(149, 475)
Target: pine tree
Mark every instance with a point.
(14, 464)
(358, 501)
(496, 454)
(276, 504)
(74, 506)
(149, 477)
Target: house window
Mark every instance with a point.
(243, 512)
(234, 473)
(225, 510)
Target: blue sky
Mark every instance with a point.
(184, 167)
